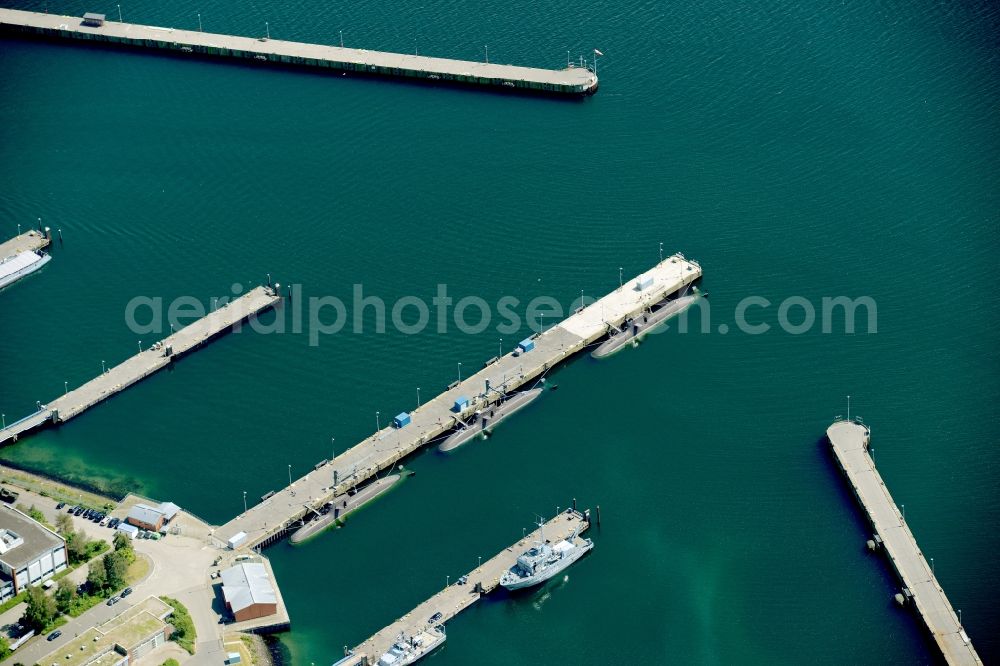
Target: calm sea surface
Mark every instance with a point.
(795, 149)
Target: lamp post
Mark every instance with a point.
(341, 39)
(289, 474)
(501, 346)
(960, 617)
(140, 346)
(661, 244)
(119, 13)
(102, 368)
(267, 29)
(378, 423)
(333, 449)
(418, 397)
(620, 283)
(460, 371)
(199, 22)
(244, 501)
(932, 567)
(65, 388)
(3, 419)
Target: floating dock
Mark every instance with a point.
(143, 364)
(282, 511)
(455, 598)
(30, 241)
(850, 447)
(570, 81)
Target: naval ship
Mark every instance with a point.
(408, 649)
(544, 561)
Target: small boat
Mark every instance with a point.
(486, 420)
(342, 505)
(15, 267)
(636, 329)
(409, 649)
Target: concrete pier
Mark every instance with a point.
(850, 447)
(274, 517)
(145, 363)
(32, 240)
(455, 598)
(569, 81)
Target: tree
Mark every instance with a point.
(76, 545)
(4, 648)
(123, 545)
(115, 569)
(65, 594)
(64, 524)
(40, 611)
(97, 577)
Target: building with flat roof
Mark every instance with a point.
(29, 552)
(120, 641)
(248, 591)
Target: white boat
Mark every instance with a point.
(409, 649)
(15, 267)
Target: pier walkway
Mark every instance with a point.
(850, 447)
(455, 598)
(272, 518)
(569, 81)
(29, 240)
(145, 363)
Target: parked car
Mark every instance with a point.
(127, 591)
(78, 511)
(54, 635)
(434, 618)
(113, 523)
(73, 508)
(113, 600)
(60, 505)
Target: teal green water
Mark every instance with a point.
(810, 149)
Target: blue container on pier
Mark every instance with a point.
(461, 404)
(402, 419)
(526, 345)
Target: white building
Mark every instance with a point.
(29, 552)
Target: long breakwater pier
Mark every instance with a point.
(144, 363)
(95, 29)
(283, 510)
(29, 241)
(850, 441)
(455, 598)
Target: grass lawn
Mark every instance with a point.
(138, 569)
